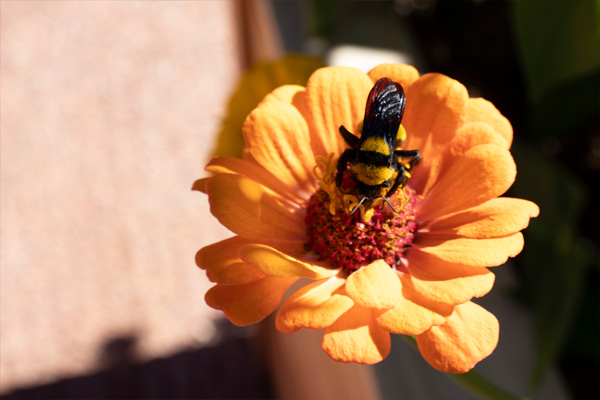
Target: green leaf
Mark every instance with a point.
(569, 107)
(483, 388)
(557, 40)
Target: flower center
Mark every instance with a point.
(373, 232)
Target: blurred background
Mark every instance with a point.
(109, 112)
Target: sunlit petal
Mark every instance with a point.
(467, 337)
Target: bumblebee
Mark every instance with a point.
(373, 157)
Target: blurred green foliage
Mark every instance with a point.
(554, 264)
(256, 82)
(559, 47)
(558, 41)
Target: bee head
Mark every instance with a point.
(367, 191)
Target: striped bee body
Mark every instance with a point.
(372, 158)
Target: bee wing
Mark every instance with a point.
(384, 111)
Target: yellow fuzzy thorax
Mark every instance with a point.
(400, 136)
(376, 144)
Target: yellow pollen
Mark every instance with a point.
(400, 138)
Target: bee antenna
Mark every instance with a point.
(389, 204)
(358, 205)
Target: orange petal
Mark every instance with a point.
(482, 173)
(497, 217)
(290, 247)
(285, 93)
(223, 265)
(335, 96)
(470, 252)
(293, 249)
(482, 110)
(275, 263)
(472, 134)
(200, 185)
(231, 165)
(294, 95)
(249, 210)
(414, 314)
(249, 302)
(234, 273)
(277, 137)
(404, 74)
(315, 306)
(356, 337)
(435, 107)
(467, 337)
(467, 136)
(375, 286)
(445, 282)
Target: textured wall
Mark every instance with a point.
(108, 116)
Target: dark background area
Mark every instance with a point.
(232, 368)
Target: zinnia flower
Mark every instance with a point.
(374, 272)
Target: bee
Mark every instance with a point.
(373, 157)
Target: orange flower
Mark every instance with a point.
(374, 272)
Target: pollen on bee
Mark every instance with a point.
(400, 137)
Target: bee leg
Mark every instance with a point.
(414, 154)
(341, 167)
(389, 204)
(400, 178)
(349, 138)
(358, 205)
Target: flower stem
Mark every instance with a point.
(476, 383)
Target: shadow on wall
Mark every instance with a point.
(229, 369)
